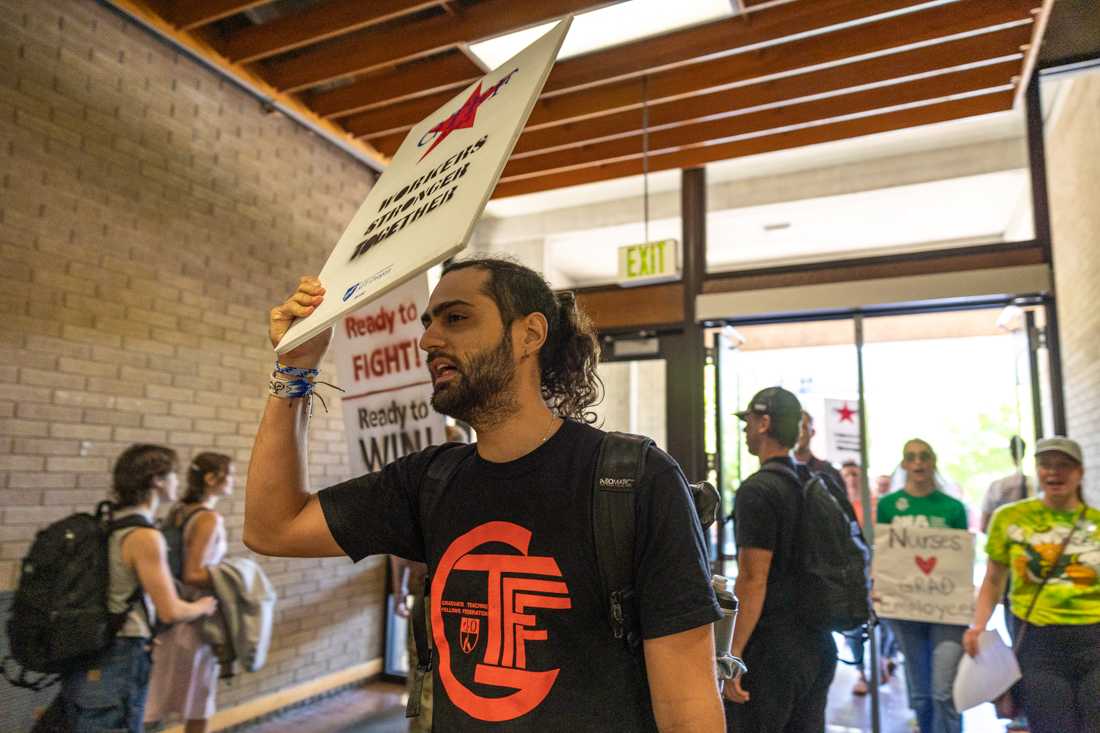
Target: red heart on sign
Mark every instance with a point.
(926, 564)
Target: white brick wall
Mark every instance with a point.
(150, 214)
(1073, 177)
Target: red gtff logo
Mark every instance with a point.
(509, 625)
(463, 118)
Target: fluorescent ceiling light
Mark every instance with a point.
(609, 26)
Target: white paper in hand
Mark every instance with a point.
(984, 677)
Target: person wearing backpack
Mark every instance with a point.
(932, 651)
(185, 669)
(109, 693)
(790, 663)
(521, 629)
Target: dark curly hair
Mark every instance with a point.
(568, 359)
(135, 470)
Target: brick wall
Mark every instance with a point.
(150, 214)
(1073, 176)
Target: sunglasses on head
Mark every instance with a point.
(914, 455)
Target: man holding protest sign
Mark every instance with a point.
(929, 627)
(518, 619)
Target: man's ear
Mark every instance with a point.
(533, 330)
(765, 424)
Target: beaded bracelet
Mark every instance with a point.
(288, 383)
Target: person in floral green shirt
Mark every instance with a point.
(1060, 652)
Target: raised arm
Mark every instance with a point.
(281, 517)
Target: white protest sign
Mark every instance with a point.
(387, 406)
(842, 430)
(924, 574)
(425, 205)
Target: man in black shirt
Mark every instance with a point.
(804, 456)
(790, 666)
(519, 621)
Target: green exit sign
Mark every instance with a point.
(641, 264)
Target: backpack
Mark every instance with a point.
(173, 538)
(59, 619)
(620, 465)
(834, 585)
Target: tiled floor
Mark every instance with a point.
(378, 708)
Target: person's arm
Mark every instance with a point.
(144, 550)
(281, 517)
(751, 588)
(202, 532)
(683, 683)
(992, 590)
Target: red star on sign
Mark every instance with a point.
(465, 116)
(846, 413)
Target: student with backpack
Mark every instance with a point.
(107, 690)
(802, 574)
(521, 626)
(185, 669)
(932, 651)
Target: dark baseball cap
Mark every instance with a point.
(782, 406)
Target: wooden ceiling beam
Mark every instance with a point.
(929, 114)
(314, 24)
(363, 51)
(723, 129)
(190, 14)
(968, 50)
(717, 38)
(445, 72)
(382, 126)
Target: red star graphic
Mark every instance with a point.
(846, 413)
(465, 116)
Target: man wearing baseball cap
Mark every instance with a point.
(790, 666)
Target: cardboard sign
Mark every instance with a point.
(842, 431)
(387, 407)
(426, 203)
(924, 574)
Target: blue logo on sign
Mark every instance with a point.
(350, 292)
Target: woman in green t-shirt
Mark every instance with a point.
(932, 650)
(1054, 537)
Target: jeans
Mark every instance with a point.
(109, 695)
(1061, 678)
(790, 670)
(932, 653)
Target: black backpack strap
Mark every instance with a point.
(782, 469)
(441, 470)
(619, 469)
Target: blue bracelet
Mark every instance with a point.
(296, 371)
(289, 389)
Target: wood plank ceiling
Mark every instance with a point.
(775, 75)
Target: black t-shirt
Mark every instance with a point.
(765, 517)
(519, 621)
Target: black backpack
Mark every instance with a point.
(173, 538)
(59, 619)
(834, 582)
(619, 469)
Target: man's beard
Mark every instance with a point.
(482, 392)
